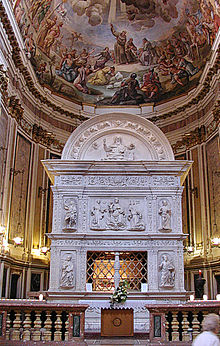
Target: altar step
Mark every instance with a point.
(130, 342)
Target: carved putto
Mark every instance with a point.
(70, 213)
(165, 216)
(115, 215)
(67, 273)
(118, 151)
(167, 272)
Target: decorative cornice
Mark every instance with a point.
(39, 135)
(199, 134)
(20, 65)
(15, 109)
(3, 82)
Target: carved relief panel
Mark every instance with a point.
(67, 269)
(166, 270)
(117, 214)
(164, 215)
(70, 214)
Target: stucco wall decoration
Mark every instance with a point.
(118, 52)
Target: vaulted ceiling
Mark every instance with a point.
(118, 52)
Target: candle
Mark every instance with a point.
(200, 273)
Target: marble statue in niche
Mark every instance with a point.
(118, 151)
(167, 272)
(67, 273)
(165, 217)
(70, 214)
(115, 215)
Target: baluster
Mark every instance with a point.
(8, 326)
(196, 325)
(37, 326)
(16, 326)
(58, 327)
(185, 325)
(27, 326)
(175, 327)
(47, 326)
(67, 327)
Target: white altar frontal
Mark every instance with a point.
(117, 216)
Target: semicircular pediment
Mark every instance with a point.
(118, 137)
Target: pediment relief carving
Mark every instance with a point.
(107, 138)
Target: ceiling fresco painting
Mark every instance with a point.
(118, 52)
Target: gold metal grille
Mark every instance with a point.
(100, 269)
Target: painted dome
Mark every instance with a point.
(118, 52)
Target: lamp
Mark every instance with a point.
(18, 241)
(215, 242)
(44, 250)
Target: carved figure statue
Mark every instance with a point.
(97, 215)
(67, 276)
(165, 214)
(135, 217)
(116, 215)
(71, 214)
(167, 270)
(118, 151)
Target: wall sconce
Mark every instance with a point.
(2, 230)
(195, 192)
(18, 241)
(215, 242)
(44, 250)
(15, 172)
(205, 297)
(41, 191)
(190, 249)
(191, 297)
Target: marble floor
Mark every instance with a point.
(130, 341)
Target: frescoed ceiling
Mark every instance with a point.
(118, 52)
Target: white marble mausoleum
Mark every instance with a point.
(117, 216)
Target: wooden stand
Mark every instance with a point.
(117, 322)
